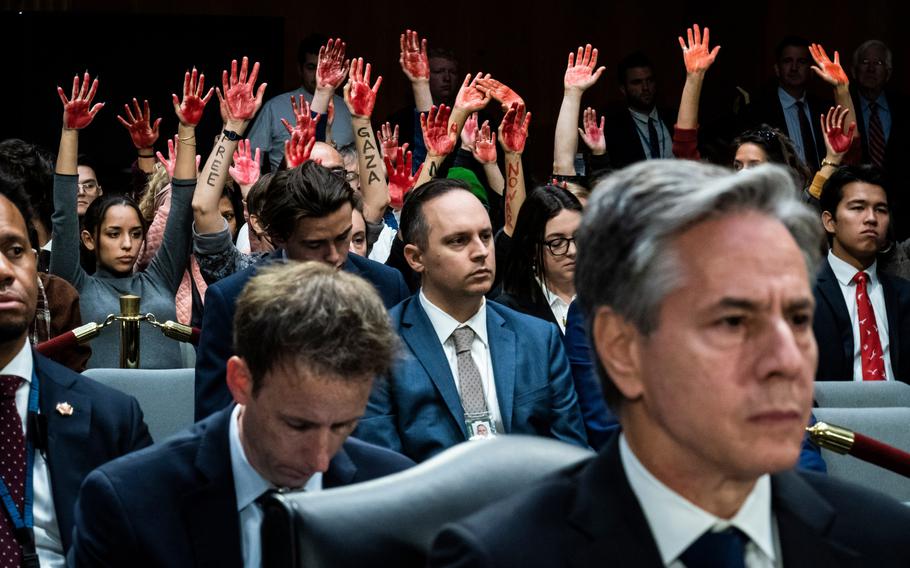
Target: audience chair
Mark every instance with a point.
(165, 395)
(862, 394)
(392, 521)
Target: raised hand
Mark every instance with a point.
(580, 73)
(329, 115)
(438, 137)
(78, 111)
(401, 181)
(189, 110)
(297, 150)
(358, 95)
(238, 95)
(830, 71)
(468, 132)
(143, 133)
(497, 90)
(697, 54)
(513, 130)
(593, 135)
(413, 59)
(836, 139)
(388, 142)
(484, 148)
(170, 162)
(304, 121)
(245, 170)
(470, 98)
(331, 67)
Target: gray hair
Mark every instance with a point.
(858, 52)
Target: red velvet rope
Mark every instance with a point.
(52, 347)
(872, 451)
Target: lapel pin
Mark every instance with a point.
(64, 409)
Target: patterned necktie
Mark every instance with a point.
(876, 136)
(12, 466)
(469, 381)
(722, 549)
(870, 344)
(653, 140)
(805, 132)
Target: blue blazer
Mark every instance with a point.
(834, 330)
(216, 339)
(418, 411)
(105, 424)
(174, 504)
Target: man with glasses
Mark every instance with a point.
(89, 188)
(469, 365)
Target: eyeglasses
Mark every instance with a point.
(344, 174)
(89, 186)
(872, 62)
(560, 245)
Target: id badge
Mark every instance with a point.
(481, 428)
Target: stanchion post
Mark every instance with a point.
(129, 331)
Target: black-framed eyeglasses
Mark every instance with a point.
(344, 174)
(560, 245)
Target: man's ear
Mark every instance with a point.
(414, 256)
(617, 343)
(100, 192)
(87, 240)
(239, 380)
(776, 70)
(829, 222)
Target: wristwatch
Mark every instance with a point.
(231, 135)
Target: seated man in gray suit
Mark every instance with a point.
(467, 361)
(697, 286)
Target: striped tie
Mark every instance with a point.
(876, 136)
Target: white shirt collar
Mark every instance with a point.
(844, 271)
(644, 117)
(676, 522)
(22, 364)
(444, 324)
(552, 299)
(787, 100)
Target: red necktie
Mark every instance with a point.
(876, 136)
(12, 466)
(870, 344)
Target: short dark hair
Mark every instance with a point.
(789, 41)
(631, 61)
(442, 53)
(833, 190)
(413, 224)
(310, 45)
(309, 190)
(330, 321)
(31, 168)
(779, 149)
(11, 189)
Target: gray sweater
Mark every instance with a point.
(99, 295)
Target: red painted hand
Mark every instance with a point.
(238, 92)
(330, 113)
(297, 150)
(513, 130)
(189, 110)
(414, 61)
(470, 98)
(388, 142)
(593, 135)
(331, 67)
(830, 71)
(438, 136)
(246, 169)
(580, 73)
(837, 141)
(556, 183)
(697, 54)
(358, 95)
(303, 116)
(485, 144)
(468, 132)
(401, 181)
(498, 91)
(78, 111)
(143, 133)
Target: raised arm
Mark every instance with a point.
(416, 67)
(388, 142)
(581, 73)
(331, 69)
(401, 180)
(303, 135)
(143, 132)
(513, 133)
(484, 151)
(470, 99)
(832, 73)
(439, 136)
(698, 57)
(360, 99)
(837, 142)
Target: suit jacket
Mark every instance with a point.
(174, 504)
(418, 411)
(589, 516)
(105, 424)
(768, 110)
(897, 141)
(834, 331)
(623, 141)
(216, 339)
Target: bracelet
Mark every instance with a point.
(143, 156)
(190, 137)
(827, 163)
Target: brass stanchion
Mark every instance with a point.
(129, 331)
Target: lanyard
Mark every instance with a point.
(24, 527)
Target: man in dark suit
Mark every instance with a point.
(862, 328)
(467, 361)
(307, 213)
(193, 500)
(73, 426)
(708, 363)
(638, 131)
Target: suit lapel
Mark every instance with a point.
(893, 308)
(417, 331)
(830, 290)
(503, 351)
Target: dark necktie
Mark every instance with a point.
(12, 466)
(805, 132)
(653, 141)
(876, 136)
(873, 363)
(471, 385)
(723, 549)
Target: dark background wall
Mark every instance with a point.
(141, 49)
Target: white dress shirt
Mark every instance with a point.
(664, 141)
(844, 272)
(444, 325)
(677, 523)
(791, 117)
(249, 486)
(558, 306)
(47, 532)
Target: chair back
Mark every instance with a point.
(860, 394)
